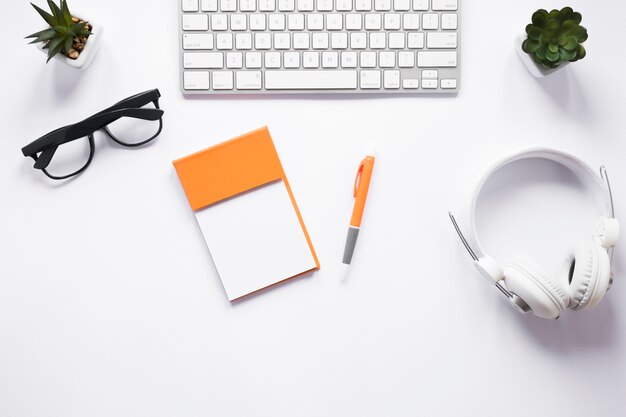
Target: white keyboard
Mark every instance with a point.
(319, 46)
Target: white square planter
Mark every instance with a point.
(538, 71)
(87, 55)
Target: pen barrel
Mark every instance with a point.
(353, 235)
(360, 195)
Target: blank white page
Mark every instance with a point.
(255, 239)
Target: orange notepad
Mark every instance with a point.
(247, 213)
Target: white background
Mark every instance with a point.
(110, 304)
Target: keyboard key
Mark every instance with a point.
(358, 40)
(190, 5)
(228, 6)
(363, 5)
(222, 80)
(310, 59)
(330, 59)
(311, 80)
(415, 40)
(449, 21)
(378, 40)
(396, 40)
(286, 5)
(382, 5)
(368, 59)
(262, 41)
(196, 80)
(277, 21)
(238, 22)
(429, 84)
(391, 79)
(411, 21)
(441, 40)
(292, 59)
(402, 5)
(339, 40)
(209, 5)
(324, 5)
(421, 5)
(195, 22)
(219, 22)
(282, 41)
(295, 21)
(224, 41)
(354, 21)
(348, 59)
(406, 59)
(253, 60)
(445, 4)
(247, 5)
(301, 41)
(370, 79)
(305, 5)
(430, 21)
(203, 60)
(343, 5)
(437, 59)
(334, 21)
(234, 60)
(257, 21)
(243, 41)
(320, 40)
(315, 21)
(272, 60)
(448, 84)
(387, 59)
(410, 84)
(198, 41)
(267, 5)
(392, 21)
(248, 80)
(373, 21)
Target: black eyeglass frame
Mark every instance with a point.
(42, 150)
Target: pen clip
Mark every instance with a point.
(358, 177)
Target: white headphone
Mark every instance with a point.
(526, 285)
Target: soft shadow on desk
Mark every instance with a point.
(315, 96)
(574, 331)
(66, 79)
(565, 90)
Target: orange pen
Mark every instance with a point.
(361, 188)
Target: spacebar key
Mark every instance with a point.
(310, 80)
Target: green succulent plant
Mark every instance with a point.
(555, 37)
(59, 37)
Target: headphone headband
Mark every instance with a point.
(582, 170)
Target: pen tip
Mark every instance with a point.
(344, 272)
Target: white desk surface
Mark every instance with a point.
(110, 304)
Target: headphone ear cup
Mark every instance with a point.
(588, 275)
(527, 280)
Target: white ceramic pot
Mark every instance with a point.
(538, 71)
(87, 55)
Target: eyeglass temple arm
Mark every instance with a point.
(136, 101)
(99, 121)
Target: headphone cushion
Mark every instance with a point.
(588, 273)
(546, 297)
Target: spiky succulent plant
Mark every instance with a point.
(555, 37)
(63, 30)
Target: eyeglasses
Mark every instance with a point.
(69, 150)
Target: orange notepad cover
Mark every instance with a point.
(247, 212)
